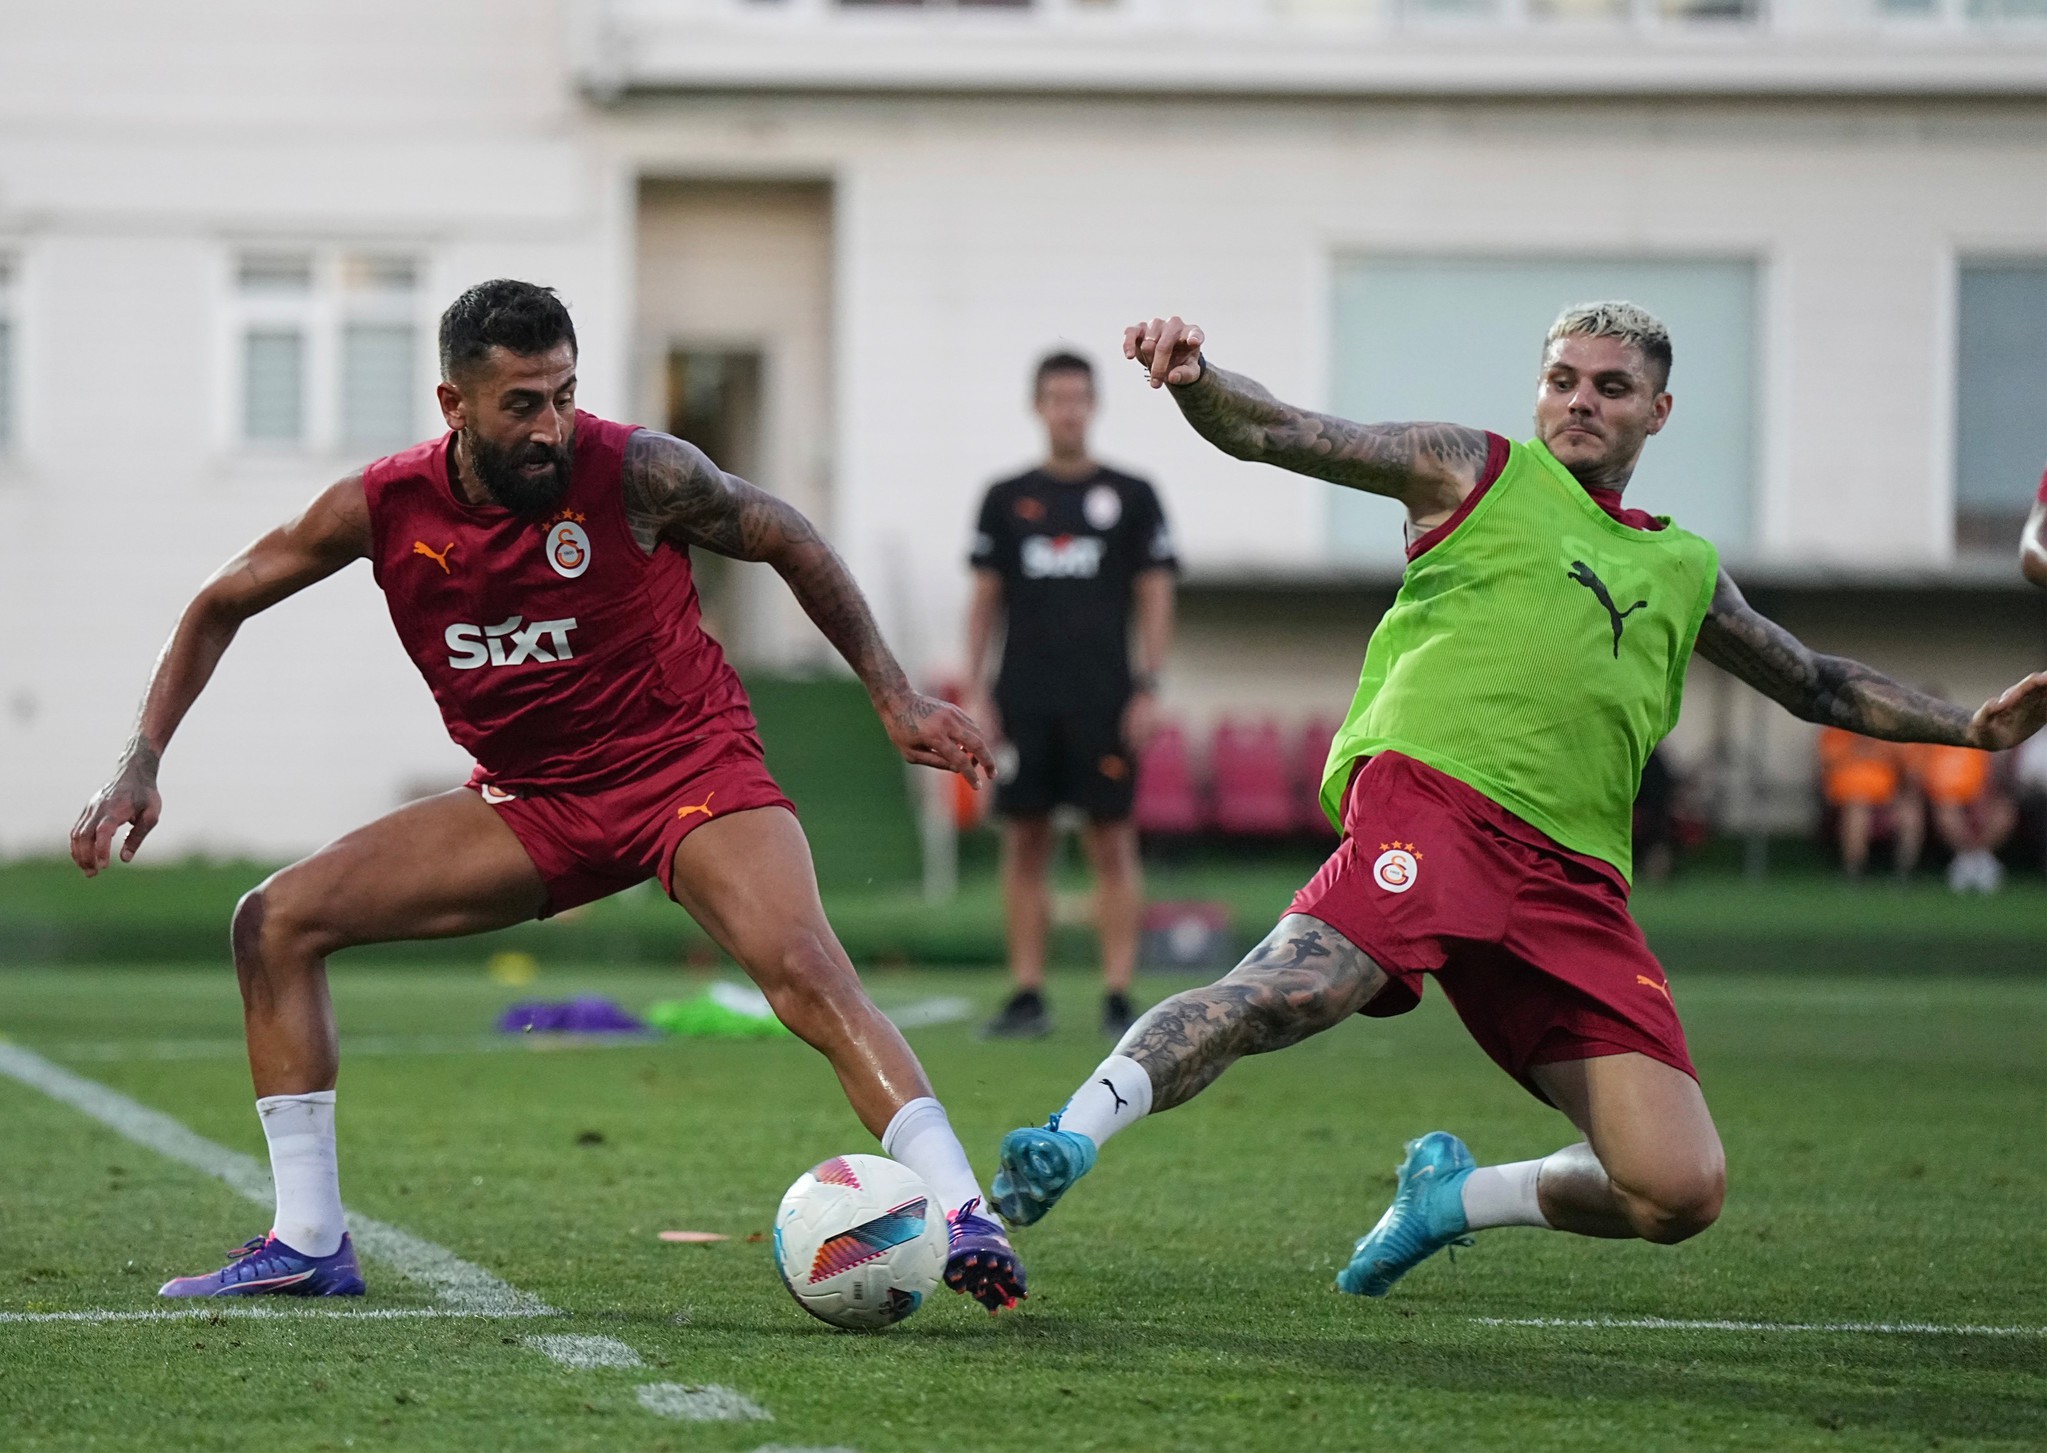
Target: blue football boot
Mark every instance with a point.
(265, 1266)
(1427, 1215)
(1038, 1167)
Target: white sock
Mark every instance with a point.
(920, 1136)
(300, 1129)
(1116, 1095)
(1503, 1195)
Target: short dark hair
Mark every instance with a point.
(522, 318)
(1061, 362)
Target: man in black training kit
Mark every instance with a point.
(1064, 557)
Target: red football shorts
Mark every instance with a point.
(591, 843)
(1532, 942)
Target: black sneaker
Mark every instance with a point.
(1117, 1015)
(1023, 1017)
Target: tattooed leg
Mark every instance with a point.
(1305, 978)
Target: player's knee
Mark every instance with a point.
(808, 987)
(275, 925)
(1678, 1206)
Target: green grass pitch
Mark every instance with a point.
(1885, 1136)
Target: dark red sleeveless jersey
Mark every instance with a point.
(562, 654)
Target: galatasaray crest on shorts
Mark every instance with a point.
(1397, 867)
(568, 546)
(1103, 507)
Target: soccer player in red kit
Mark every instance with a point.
(536, 564)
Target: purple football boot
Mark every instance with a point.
(266, 1267)
(982, 1263)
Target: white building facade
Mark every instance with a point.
(829, 240)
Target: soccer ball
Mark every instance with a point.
(860, 1241)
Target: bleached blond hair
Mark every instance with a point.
(1617, 319)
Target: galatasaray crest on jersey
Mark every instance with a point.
(568, 548)
(1397, 867)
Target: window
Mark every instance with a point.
(1602, 12)
(936, 4)
(1461, 338)
(327, 350)
(9, 351)
(1975, 12)
(2000, 386)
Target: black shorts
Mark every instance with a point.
(1073, 755)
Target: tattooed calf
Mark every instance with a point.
(1305, 978)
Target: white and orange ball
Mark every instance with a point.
(860, 1241)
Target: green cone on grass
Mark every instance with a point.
(723, 1011)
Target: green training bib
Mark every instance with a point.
(1537, 653)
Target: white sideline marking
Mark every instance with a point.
(213, 1308)
(582, 1351)
(118, 1051)
(464, 1289)
(1671, 1324)
(460, 1286)
(712, 1404)
(927, 1012)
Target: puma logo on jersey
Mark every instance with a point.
(704, 807)
(1062, 557)
(439, 557)
(1663, 989)
(1582, 573)
(508, 643)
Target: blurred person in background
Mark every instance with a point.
(2029, 780)
(1867, 788)
(2033, 539)
(1656, 818)
(1073, 568)
(1971, 809)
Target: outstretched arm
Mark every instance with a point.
(1835, 691)
(332, 531)
(1428, 467)
(675, 495)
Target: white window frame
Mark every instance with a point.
(12, 390)
(1952, 16)
(321, 314)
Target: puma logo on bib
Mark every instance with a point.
(1582, 573)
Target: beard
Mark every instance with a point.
(501, 469)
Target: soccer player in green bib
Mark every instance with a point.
(1484, 781)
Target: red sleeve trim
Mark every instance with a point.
(1495, 465)
(2042, 495)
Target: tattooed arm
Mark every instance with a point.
(1428, 467)
(1835, 691)
(674, 495)
(333, 530)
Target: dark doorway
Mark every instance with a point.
(714, 401)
